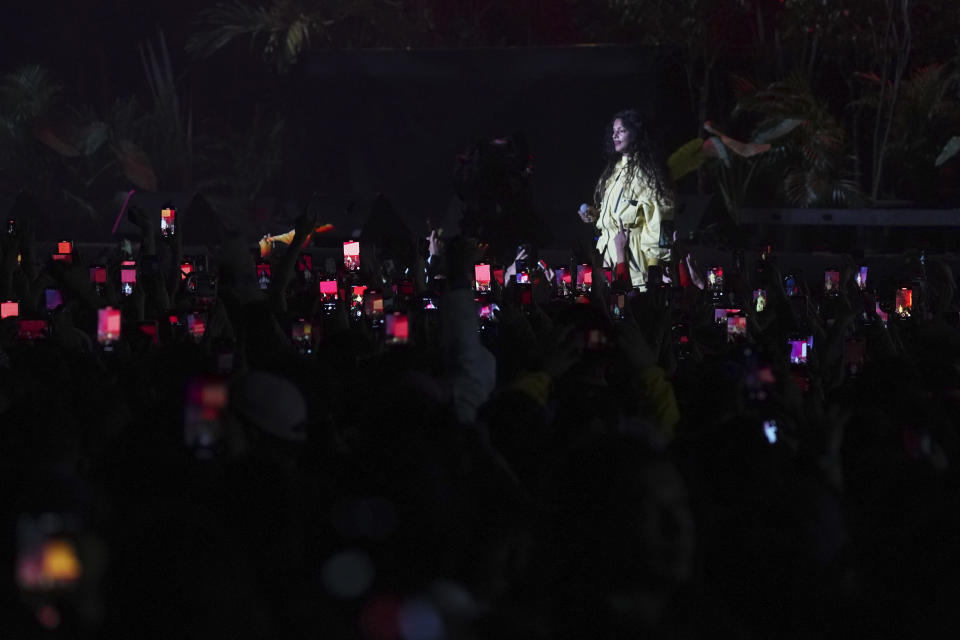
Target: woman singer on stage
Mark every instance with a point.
(632, 200)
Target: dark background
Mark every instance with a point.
(394, 121)
(363, 122)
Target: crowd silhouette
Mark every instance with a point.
(404, 456)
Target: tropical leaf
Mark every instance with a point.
(812, 143)
(285, 25)
(47, 134)
(949, 151)
(778, 130)
(924, 106)
(713, 147)
(136, 165)
(92, 137)
(27, 94)
(742, 149)
(809, 187)
(687, 159)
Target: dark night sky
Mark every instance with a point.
(91, 46)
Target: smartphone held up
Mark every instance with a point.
(397, 329)
(108, 327)
(481, 277)
(799, 349)
(205, 402)
(351, 255)
(168, 218)
(301, 334)
(903, 303)
(128, 277)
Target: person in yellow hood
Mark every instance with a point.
(632, 200)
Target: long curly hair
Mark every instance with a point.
(643, 158)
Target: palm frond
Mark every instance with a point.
(949, 150)
(27, 93)
(811, 142)
(286, 26)
(777, 130)
(811, 187)
(225, 23)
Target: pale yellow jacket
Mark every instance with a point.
(631, 199)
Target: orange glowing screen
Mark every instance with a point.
(904, 300)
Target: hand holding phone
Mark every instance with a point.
(799, 349)
(98, 276)
(301, 334)
(760, 300)
(903, 304)
(53, 298)
(64, 252)
(397, 329)
(720, 315)
(831, 282)
(31, 329)
(128, 277)
(264, 275)
(791, 285)
(584, 278)
(328, 289)
(204, 404)
(861, 278)
(168, 217)
(481, 277)
(108, 326)
(202, 288)
(197, 325)
(373, 304)
(564, 281)
(351, 255)
(715, 279)
(736, 328)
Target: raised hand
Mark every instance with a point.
(588, 214)
(694, 270)
(621, 241)
(511, 271)
(434, 245)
